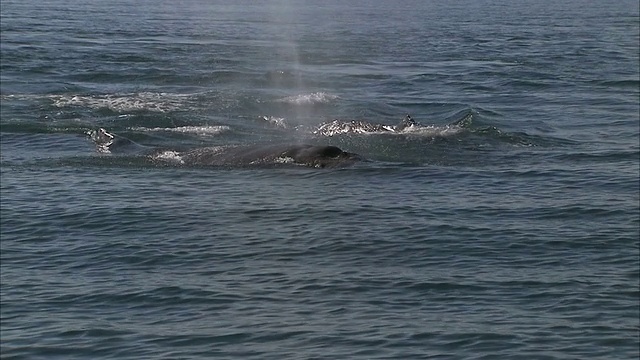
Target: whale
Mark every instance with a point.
(311, 155)
(319, 156)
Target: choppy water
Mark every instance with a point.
(504, 224)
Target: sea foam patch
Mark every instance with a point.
(207, 130)
(169, 156)
(144, 101)
(309, 99)
(432, 130)
(338, 127)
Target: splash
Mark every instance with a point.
(434, 131)
(338, 127)
(309, 99)
(275, 121)
(284, 160)
(102, 139)
(169, 156)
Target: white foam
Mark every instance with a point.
(102, 139)
(284, 160)
(432, 130)
(275, 121)
(169, 155)
(148, 101)
(309, 99)
(198, 130)
(19, 97)
(337, 127)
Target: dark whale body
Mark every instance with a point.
(301, 154)
(244, 155)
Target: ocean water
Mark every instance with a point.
(504, 224)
